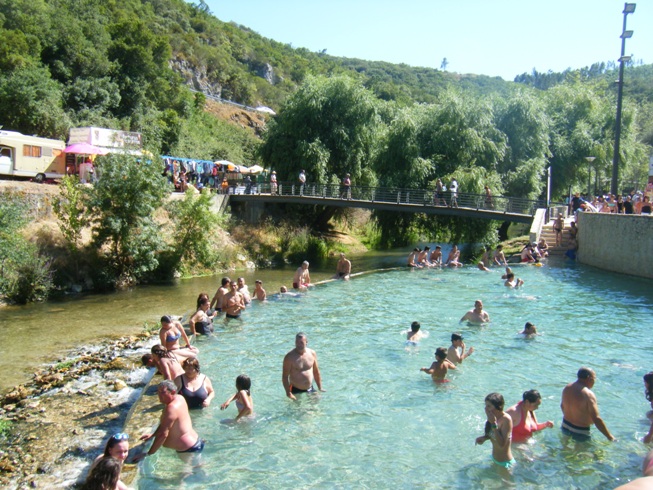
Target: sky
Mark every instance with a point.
(489, 37)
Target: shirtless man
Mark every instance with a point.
(527, 254)
(302, 278)
(456, 352)
(423, 257)
(217, 297)
(436, 256)
(440, 367)
(412, 258)
(452, 259)
(486, 256)
(343, 269)
(300, 369)
(175, 430)
(498, 429)
(476, 315)
(414, 335)
(259, 292)
(529, 331)
(512, 281)
(481, 267)
(499, 258)
(244, 290)
(233, 302)
(580, 409)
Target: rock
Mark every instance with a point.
(17, 394)
(10, 407)
(119, 385)
(119, 363)
(44, 468)
(241, 257)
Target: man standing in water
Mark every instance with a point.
(456, 352)
(300, 369)
(343, 269)
(498, 429)
(217, 298)
(233, 302)
(477, 315)
(580, 409)
(175, 431)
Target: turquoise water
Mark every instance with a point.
(383, 424)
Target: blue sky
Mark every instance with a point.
(490, 37)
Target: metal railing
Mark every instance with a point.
(394, 195)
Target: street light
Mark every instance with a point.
(589, 175)
(629, 8)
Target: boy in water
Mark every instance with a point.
(440, 367)
(414, 335)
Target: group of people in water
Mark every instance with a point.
(185, 388)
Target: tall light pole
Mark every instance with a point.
(589, 175)
(629, 8)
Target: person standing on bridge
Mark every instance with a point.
(488, 198)
(273, 183)
(439, 193)
(302, 182)
(346, 187)
(453, 187)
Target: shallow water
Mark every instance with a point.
(384, 424)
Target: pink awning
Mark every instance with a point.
(85, 149)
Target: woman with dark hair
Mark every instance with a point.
(648, 385)
(169, 335)
(498, 430)
(105, 475)
(202, 322)
(167, 364)
(524, 422)
(197, 390)
(117, 447)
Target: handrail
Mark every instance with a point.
(395, 195)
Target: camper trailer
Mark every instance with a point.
(30, 156)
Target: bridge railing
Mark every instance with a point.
(396, 195)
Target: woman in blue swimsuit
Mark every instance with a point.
(169, 335)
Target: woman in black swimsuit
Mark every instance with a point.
(196, 388)
(201, 322)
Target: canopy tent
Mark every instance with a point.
(226, 163)
(256, 169)
(85, 149)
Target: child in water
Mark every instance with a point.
(440, 367)
(243, 397)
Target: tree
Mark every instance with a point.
(122, 204)
(329, 128)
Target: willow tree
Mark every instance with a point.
(329, 128)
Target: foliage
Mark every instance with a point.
(122, 204)
(24, 274)
(70, 208)
(194, 223)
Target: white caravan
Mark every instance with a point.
(31, 156)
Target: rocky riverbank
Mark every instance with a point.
(53, 427)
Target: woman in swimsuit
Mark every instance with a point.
(648, 385)
(169, 335)
(243, 398)
(196, 389)
(452, 259)
(524, 422)
(167, 364)
(201, 322)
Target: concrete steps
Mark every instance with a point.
(549, 235)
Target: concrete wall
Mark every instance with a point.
(616, 242)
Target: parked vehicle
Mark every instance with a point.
(31, 156)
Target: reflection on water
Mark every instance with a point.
(383, 424)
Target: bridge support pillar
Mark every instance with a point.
(249, 212)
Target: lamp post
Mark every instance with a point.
(629, 8)
(589, 175)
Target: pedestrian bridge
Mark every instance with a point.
(467, 205)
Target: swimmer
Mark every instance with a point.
(343, 269)
(217, 297)
(244, 290)
(648, 386)
(259, 292)
(481, 266)
(436, 256)
(167, 364)
(477, 314)
(105, 473)
(485, 258)
(302, 278)
(499, 258)
(512, 282)
(117, 447)
(524, 422)
(580, 409)
(414, 335)
(300, 369)
(498, 430)
(412, 258)
(508, 271)
(440, 367)
(646, 481)
(423, 257)
(233, 302)
(452, 259)
(456, 352)
(243, 397)
(529, 331)
(170, 333)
